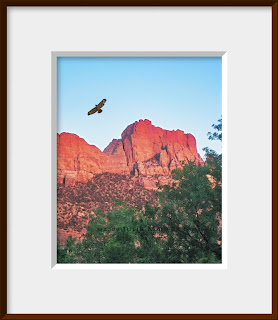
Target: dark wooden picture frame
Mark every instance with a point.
(3, 138)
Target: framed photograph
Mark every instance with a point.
(130, 200)
(141, 160)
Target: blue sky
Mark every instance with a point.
(174, 93)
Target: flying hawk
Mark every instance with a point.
(98, 107)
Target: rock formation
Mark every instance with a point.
(129, 170)
(144, 151)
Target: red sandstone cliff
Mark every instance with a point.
(144, 151)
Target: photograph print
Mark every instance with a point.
(139, 160)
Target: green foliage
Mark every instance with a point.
(190, 212)
(184, 227)
(216, 135)
(68, 253)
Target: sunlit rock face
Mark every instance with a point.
(77, 161)
(144, 151)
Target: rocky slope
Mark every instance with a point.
(76, 203)
(144, 151)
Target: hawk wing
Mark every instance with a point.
(92, 111)
(102, 102)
